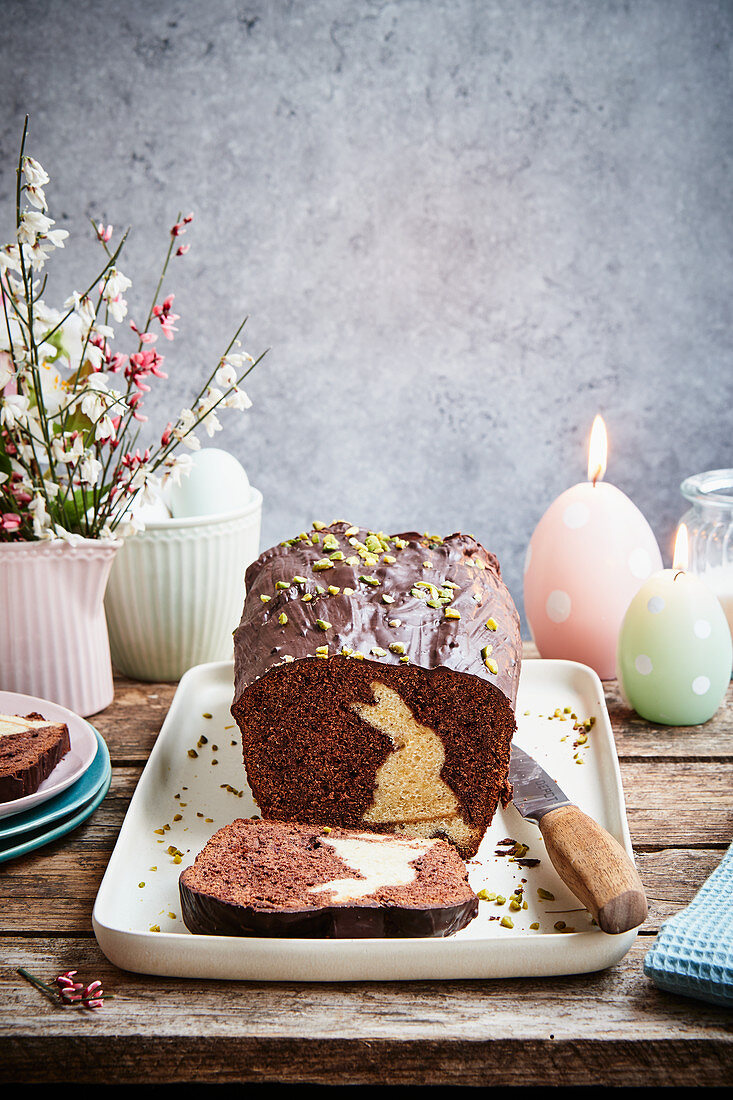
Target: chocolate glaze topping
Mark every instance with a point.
(405, 599)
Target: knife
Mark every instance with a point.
(586, 857)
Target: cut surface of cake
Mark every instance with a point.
(30, 748)
(375, 682)
(267, 878)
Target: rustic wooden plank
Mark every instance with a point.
(636, 737)
(132, 721)
(681, 804)
(613, 1027)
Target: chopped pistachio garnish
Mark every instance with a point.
(282, 584)
(282, 618)
(320, 590)
(323, 624)
(388, 559)
(387, 599)
(545, 895)
(492, 665)
(333, 590)
(378, 651)
(315, 539)
(506, 922)
(321, 564)
(330, 542)
(491, 624)
(265, 599)
(397, 647)
(317, 525)
(346, 650)
(373, 581)
(299, 580)
(435, 603)
(484, 895)
(351, 531)
(395, 622)
(427, 565)
(400, 543)
(451, 613)
(338, 555)
(404, 659)
(450, 584)
(357, 656)
(535, 926)
(322, 651)
(306, 598)
(348, 592)
(373, 544)
(353, 561)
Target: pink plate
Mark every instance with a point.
(68, 770)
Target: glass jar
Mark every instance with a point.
(710, 529)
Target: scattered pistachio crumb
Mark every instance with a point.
(141, 884)
(207, 715)
(484, 895)
(491, 624)
(559, 925)
(323, 624)
(178, 817)
(265, 599)
(506, 922)
(155, 928)
(545, 895)
(282, 618)
(534, 926)
(451, 613)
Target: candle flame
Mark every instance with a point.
(681, 550)
(597, 450)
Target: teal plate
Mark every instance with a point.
(66, 802)
(39, 837)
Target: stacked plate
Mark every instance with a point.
(71, 792)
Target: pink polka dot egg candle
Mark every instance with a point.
(674, 648)
(587, 558)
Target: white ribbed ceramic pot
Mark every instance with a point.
(176, 592)
(53, 632)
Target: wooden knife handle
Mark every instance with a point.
(595, 867)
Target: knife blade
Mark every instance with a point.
(587, 858)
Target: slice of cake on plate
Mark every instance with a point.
(266, 878)
(375, 682)
(30, 748)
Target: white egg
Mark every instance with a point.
(151, 511)
(217, 483)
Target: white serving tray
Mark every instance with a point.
(126, 910)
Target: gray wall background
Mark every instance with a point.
(463, 228)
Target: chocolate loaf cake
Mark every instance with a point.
(30, 748)
(265, 878)
(375, 680)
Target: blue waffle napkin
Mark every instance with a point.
(693, 953)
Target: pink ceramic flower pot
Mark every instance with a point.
(53, 631)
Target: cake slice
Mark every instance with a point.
(266, 878)
(30, 748)
(374, 682)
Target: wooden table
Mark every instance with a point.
(612, 1027)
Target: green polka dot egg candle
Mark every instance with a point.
(674, 648)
